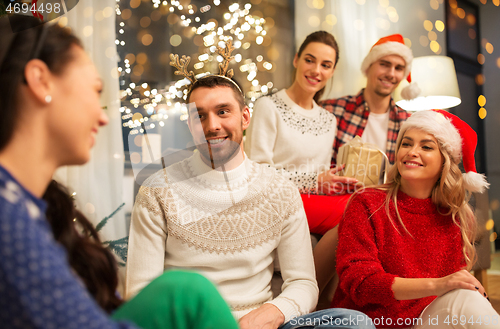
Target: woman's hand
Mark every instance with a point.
(458, 280)
(405, 289)
(329, 183)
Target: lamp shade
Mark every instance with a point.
(436, 77)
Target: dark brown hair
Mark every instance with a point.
(54, 43)
(327, 39)
(92, 262)
(213, 81)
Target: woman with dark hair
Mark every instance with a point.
(290, 131)
(406, 247)
(54, 274)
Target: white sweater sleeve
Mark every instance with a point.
(299, 294)
(146, 249)
(261, 134)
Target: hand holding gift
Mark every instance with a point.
(363, 161)
(330, 183)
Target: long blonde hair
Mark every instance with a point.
(449, 193)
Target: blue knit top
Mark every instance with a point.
(37, 286)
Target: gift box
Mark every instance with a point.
(363, 161)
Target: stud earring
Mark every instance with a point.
(48, 99)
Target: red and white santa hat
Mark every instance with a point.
(393, 45)
(455, 136)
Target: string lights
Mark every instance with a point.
(144, 106)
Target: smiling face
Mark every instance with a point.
(315, 66)
(217, 122)
(385, 74)
(76, 112)
(419, 159)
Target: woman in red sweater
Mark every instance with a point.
(405, 247)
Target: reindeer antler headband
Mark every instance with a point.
(182, 64)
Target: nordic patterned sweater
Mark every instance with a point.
(228, 225)
(37, 286)
(371, 253)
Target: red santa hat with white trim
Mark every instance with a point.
(393, 45)
(455, 136)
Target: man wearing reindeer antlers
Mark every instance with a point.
(228, 217)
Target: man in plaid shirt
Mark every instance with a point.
(372, 114)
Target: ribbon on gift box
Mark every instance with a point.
(363, 161)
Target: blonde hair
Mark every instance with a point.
(449, 192)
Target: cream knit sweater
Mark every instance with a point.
(230, 226)
(289, 137)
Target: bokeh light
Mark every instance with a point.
(490, 224)
(147, 39)
(479, 79)
(439, 25)
(428, 25)
(489, 48)
(481, 100)
(384, 3)
(424, 41)
(434, 46)
(145, 22)
(135, 3)
(480, 59)
(175, 40)
(314, 21)
(482, 113)
(471, 19)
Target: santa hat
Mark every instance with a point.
(455, 136)
(393, 45)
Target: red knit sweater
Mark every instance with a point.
(371, 253)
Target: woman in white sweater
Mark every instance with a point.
(290, 131)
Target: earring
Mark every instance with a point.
(48, 99)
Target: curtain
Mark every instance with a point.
(98, 184)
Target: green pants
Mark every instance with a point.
(178, 300)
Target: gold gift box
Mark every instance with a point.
(363, 161)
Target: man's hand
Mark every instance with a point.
(267, 316)
(330, 184)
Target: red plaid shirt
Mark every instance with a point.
(352, 115)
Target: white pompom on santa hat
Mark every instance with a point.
(455, 136)
(393, 45)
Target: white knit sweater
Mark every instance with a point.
(228, 225)
(287, 136)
